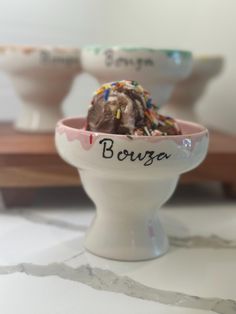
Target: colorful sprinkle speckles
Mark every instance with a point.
(129, 85)
(99, 91)
(146, 131)
(118, 114)
(135, 83)
(170, 122)
(106, 94)
(126, 108)
(149, 103)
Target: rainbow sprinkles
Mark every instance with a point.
(148, 121)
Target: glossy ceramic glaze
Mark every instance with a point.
(42, 77)
(129, 178)
(158, 70)
(190, 90)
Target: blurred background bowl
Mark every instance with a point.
(41, 77)
(189, 91)
(158, 70)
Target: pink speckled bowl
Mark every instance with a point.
(129, 178)
(42, 76)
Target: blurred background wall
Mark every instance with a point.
(204, 26)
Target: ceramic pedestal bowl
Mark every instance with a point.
(129, 178)
(189, 91)
(158, 70)
(42, 77)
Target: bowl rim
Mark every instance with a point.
(100, 48)
(203, 130)
(28, 48)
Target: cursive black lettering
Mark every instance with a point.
(136, 63)
(162, 156)
(149, 62)
(147, 157)
(44, 56)
(139, 156)
(159, 157)
(122, 62)
(151, 158)
(125, 153)
(107, 147)
(47, 58)
(139, 63)
(109, 57)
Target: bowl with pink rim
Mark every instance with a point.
(42, 77)
(129, 178)
(189, 91)
(157, 69)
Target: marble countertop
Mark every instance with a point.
(45, 270)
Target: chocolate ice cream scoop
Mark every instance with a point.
(124, 107)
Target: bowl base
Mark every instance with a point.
(131, 259)
(130, 240)
(38, 118)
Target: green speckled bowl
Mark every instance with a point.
(158, 70)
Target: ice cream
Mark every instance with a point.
(124, 107)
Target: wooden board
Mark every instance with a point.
(31, 160)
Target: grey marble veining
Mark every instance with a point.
(35, 218)
(106, 280)
(74, 256)
(39, 219)
(212, 241)
(195, 241)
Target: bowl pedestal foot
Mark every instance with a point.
(126, 225)
(38, 118)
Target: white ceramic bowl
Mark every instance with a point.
(190, 90)
(156, 69)
(42, 77)
(129, 178)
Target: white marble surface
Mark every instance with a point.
(45, 270)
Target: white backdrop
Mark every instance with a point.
(204, 26)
